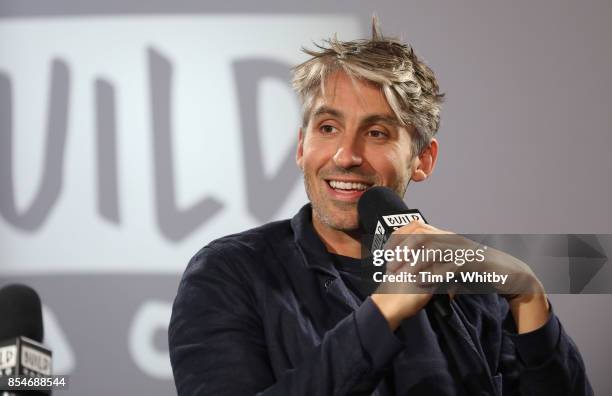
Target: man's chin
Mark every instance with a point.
(345, 222)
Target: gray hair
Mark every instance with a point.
(408, 84)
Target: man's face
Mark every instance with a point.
(352, 142)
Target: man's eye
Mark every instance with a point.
(327, 129)
(377, 134)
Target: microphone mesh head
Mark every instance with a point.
(20, 313)
(376, 202)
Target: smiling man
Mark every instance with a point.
(283, 310)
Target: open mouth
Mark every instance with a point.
(348, 186)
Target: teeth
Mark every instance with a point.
(340, 185)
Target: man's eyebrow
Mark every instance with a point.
(371, 119)
(326, 110)
(380, 119)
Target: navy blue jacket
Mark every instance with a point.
(265, 312)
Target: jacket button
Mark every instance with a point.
(328, 283)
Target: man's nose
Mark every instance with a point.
(348, 154)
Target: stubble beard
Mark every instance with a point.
(323, 214)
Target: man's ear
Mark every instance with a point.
(299, 154)
(426, 162)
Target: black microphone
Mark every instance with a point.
(21, 334)
(382, 211)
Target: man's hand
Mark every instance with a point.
(397, 305)
(524, 292)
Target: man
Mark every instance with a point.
(280, 309)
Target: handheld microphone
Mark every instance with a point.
(21, 334)
(382, 211)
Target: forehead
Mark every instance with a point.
(353, 97)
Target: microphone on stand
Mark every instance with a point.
(21, 333)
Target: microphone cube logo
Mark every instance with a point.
(396, 221)
(390, 223)
(379, 237)
(8, 359)
(35, 359)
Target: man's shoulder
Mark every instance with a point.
(254, 239)
(251, 246)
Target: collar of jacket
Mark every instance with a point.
(313, 250)
(317, 259)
